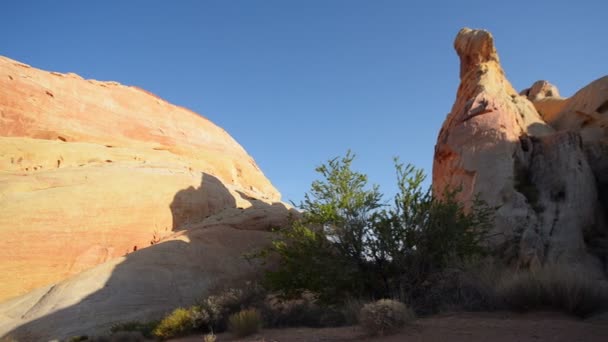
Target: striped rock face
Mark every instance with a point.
(91, 171)
(495, 143)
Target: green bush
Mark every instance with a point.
(384, 317)
(245, 322)
(554, 288)
(178, 323)
(309, 262)
(350, 243)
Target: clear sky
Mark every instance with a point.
(299, 82)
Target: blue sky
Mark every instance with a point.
(299, 82)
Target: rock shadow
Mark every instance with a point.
(192, 205)
(144, 285)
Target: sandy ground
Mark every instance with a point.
(465, 327)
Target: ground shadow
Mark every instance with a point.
(152, 281)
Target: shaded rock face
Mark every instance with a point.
(91, 171)
(495, 143)
(145, 285)
(586, 113)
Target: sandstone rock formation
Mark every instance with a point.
(90, 171)
(116, 205)
(586, 113)
(148, 283)
(494, 143)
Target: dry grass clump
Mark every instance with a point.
(350, 310)
(554, 288)
(301, 310)
(384, 317)
(245, 322)
(210, 337)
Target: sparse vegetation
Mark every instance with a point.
(350, 310)
(352, 244)
(145, 328)
(209, 315)
(554, 288)
(384, 317)
(215, 310)
(470, 287)
(245, 322)
(178, 323)
(210, 337)
(280, 311)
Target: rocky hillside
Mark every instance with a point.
(90, 171)
(114, 199)
(538, 157)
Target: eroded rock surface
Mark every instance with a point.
(91, 171)
(586, 113)
(117, 205)
(495, 143)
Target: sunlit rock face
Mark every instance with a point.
(495, 143)
(117, 205)
(91, 171)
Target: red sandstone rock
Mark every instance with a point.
(494, 143)
(90, 171)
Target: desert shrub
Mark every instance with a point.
(217, 308)
(245, 322)
(210, 337)
(280, 311)
(210, 314)
(145, 328)
(384, 317)
(309, 262)
(303, 310)
(554, 287)
(465, 287)
(350, 243)
(350, 309)
(178, 323)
